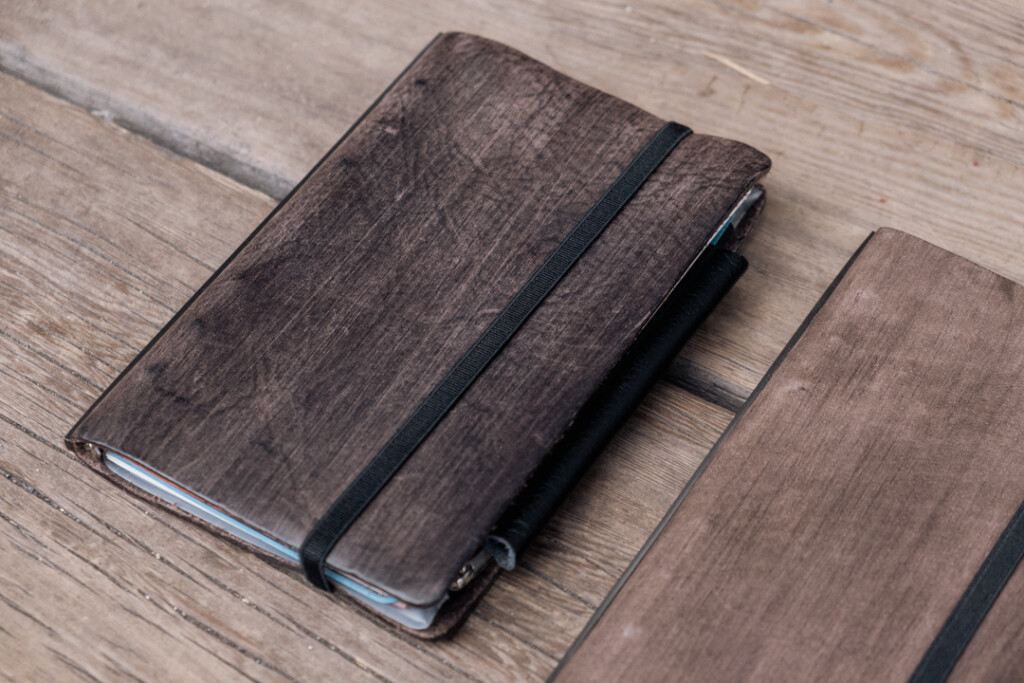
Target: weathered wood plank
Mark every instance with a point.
(104, 236)
(267, 105)
(975, 44)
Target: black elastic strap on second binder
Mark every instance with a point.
(368, 483)
(974, 604)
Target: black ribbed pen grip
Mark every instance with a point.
(350, 504)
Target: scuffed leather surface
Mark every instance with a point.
(297, 361)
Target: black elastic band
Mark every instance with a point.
(326, 532)
(974, 604)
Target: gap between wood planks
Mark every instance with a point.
(146, 126)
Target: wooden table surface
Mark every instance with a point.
(141, 141)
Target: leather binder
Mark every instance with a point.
(376, 380)
(861, 518)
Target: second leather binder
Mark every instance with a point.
(861, 519)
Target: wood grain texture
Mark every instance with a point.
(875, 114)
(97, 585)
(849, 506)
(842, 56)
(291, 370)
